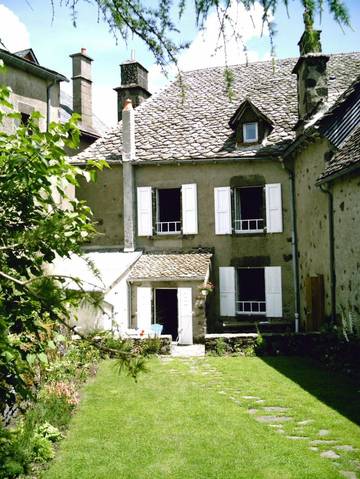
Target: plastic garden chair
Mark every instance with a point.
(157, 328)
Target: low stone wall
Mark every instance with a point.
(165, 340)
(330, 350)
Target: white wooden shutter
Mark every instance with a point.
(273, 292)
(189, 209)
(143, 302)
(227, 291)
(185, 315)
(222, 199)
(144, 210)
(274, 223)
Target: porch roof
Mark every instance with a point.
(171, 266)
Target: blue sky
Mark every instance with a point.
(53, 42)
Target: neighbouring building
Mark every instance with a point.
(211, 188)
(325, 160)
(36, 88)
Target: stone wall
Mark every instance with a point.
(346, 193)
(312, 223)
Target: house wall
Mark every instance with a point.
(105, 198)
(29, 94)
(346, 194)
(312, 221)
(198, 308)
(229, 250)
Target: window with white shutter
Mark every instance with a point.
(274, 223)
(227, 290)
(144, 211)
(222, 206)
(189, 209)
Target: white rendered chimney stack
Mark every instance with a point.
(128, 132)
(128, 156)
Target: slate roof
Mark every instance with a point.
(348, 157)
(171, 266)
(175, 126)
(66, 110)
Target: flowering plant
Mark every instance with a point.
(207, 288)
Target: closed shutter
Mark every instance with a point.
(189, 209)
(144, 211)
(227, 291)
(185, 315)
(274, 223)
(273, 292)
(222, 200)
(143, 302)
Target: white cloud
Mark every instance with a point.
(206, 50)
(13, 33)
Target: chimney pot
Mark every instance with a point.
(84, 51)
(128, 105)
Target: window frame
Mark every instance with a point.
(251, 140)
(237, 214)
(237, 291)
(157, 214)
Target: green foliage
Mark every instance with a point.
(39, 221)
(156, 26)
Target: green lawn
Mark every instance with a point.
(189, 419)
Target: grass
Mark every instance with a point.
(187, 419)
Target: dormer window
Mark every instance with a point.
(249, 124)
(250, 132)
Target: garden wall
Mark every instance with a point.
(330, 350)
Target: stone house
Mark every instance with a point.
(207, 187)
(325, 164)
(37, 88)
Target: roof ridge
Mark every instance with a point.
(265, 61)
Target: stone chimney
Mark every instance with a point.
(82, 94)
(312, 86)
(128, 155)
(134, 85)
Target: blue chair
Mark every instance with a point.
(157, 328)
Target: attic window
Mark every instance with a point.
(250, 132)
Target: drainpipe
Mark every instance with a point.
(325, 189)
(48, 101)
(294, 246)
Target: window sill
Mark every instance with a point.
(249, 232)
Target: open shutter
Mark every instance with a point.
(273, 292)
(227, 291)
(189, 209)
(274, 222)
(185, 315)
(144, 211)
(222, 199)
(143, 301)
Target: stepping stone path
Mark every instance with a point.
(267, 419)
(346, 448)
(329, 455)
(275, 409)
(348, 474)
(215, 381)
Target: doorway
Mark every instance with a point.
(166, 311)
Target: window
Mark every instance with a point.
(249, 209)
(168, 211)
(175, 210)
(25, 117)
(243, 210)
(250, 294)
(250, 291)
(250, 132)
